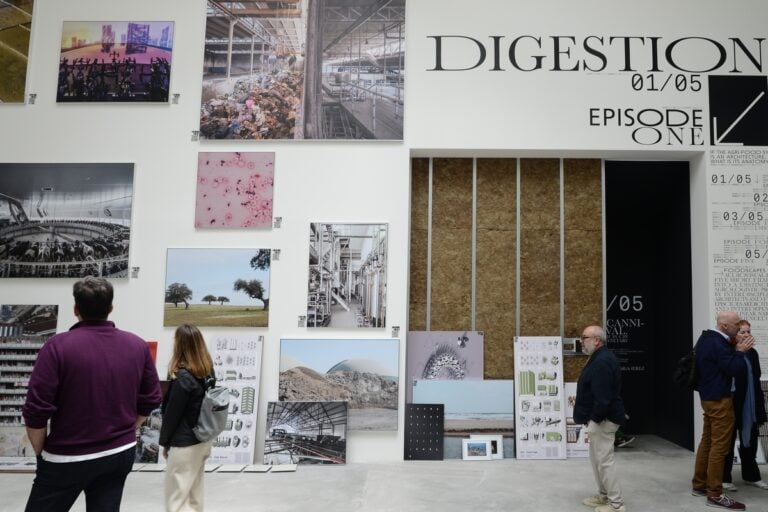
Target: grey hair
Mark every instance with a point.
(598, 332)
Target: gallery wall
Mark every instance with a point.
(480, 112)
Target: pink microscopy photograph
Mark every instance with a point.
(234, 190)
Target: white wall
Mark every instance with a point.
(476, 112)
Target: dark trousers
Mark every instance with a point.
(749, 470)
(58, 484)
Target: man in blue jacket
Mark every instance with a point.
(599, 406)
(717, 363)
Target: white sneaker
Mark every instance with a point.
(596, 501)
(609, 508)
(759, 484)
(728, 486)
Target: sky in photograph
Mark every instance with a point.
(90, 31)
(321, 354)
(214, 272)
(465, 396)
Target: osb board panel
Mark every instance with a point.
(452, 193)
(572, 366)
(418, 262)
(495, 266)
(540, 319)
(451, 265)
(419, 193)
(583, 280)
(539, 194)
(497, 321)
(496, 193)
(540, 266)
(582, 194)
(450, 316)
(417, 317)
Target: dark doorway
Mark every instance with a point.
(648, 273)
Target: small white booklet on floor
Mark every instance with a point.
(257, 468)
(210, 468)
(231, 468)
(284, 468)
(153, 468)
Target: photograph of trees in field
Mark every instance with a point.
(217, 287)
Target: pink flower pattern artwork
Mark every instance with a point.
(234, 190)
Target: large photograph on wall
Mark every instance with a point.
(304, 69)
(65, 220)
(15, 29)
(24, 329)
(127, 61)
(217, 287)
(306, 433)
(234, 190)
(347, 275)
(362, 372)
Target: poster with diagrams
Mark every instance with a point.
(24, 329)
(347, 282)
(237, 364)
(234, 190)
(540, 427)
(65, 220)
(15, 30)
(123, 61)
(576, 436)
(363, 372)
(443, 355)
(306, 433)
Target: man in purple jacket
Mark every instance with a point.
(95, 384)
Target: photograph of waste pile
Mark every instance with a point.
(362, 372)
(115, 61)
(65, 220)
(306, 433)
(304, 69)
(347, 284)
(15, 29)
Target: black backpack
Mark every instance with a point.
(685, 374)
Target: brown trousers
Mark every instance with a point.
(714, 445)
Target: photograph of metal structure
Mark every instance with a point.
(65, 220)
(234, 190)
(304, 69)
(306, 433)
(217, 287)
(363, 372)
(347, 275)
(127, 61)
(15, 29)
(443, 355)
(24, 329)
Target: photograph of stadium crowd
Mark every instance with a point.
(15, 29)
(65, 220)
(115, 61)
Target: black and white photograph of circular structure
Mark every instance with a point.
(65, 220)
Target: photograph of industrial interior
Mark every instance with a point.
(347, 275)
(306, 433)
(304, 69)
(65, 220)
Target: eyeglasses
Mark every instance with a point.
(586, 337)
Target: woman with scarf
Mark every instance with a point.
(749, 407)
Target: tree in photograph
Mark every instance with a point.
(178, 292)
(254, 289)
(262, 260)
(210, 298)
(222, 299)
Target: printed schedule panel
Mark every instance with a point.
(540, 428)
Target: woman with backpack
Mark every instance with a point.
(191, 372)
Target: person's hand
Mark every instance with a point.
(744, 343)
(165, 452)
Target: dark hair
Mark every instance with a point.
(742, 323)
(93, 297)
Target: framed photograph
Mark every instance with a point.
(15, 27)
(476, 449)
(497, 443)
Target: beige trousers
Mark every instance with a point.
(184, 477)
(601, 438)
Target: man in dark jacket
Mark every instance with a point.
(717, 363)
(599, 406)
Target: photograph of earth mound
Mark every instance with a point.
(363, 373)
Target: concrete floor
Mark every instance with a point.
(655, 476)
